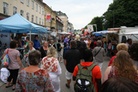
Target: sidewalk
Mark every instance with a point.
(3, 89)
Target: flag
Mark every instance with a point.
(48, 18)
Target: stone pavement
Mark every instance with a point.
(62, 79)
(3, 89)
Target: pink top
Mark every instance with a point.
(13, 54)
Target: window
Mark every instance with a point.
(36, 7)
(22, 1)
(5, 8)
(32, 18)
(27, 2)
(39, 20)
(44, 12)
(32, 4)
(14, 10)
(27, 16)
(40, 9)
(42, 22)
(36, 19)
(22, 12)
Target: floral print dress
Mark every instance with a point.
(34, 82)
(52, 65)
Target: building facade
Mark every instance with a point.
(36, 11)
(64, 18)
(59, 24)
(50, 18)
(32, 10)
(70, 27)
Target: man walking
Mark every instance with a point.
(36, 43)
(71, 59)
(58, 48)
(99, 53)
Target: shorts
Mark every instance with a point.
(59, 54)
(68, 75)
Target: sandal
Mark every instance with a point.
(13, 87)
(10, 85)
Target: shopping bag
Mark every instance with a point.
(5, 60)
(4, 74)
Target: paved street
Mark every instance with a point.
(62, 77)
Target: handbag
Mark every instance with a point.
(5, 60)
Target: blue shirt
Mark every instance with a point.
(36, 44)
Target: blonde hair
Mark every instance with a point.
(51, 52)
(77, 37)
(122, 46)
(31, 43)
(44, 42)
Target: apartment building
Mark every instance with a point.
(52, 21)
(32, 10)
(59, 24)
(64, 18)
(70, 27)
(36, 11)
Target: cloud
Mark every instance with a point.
(80, 12)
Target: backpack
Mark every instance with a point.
(84, 79)
(5, 60)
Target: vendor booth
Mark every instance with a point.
(104, 32)
(17, 24)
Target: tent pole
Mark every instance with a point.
(30, 35)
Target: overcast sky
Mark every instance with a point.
(80, 12)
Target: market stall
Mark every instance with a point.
(18, 24)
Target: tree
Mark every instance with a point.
(121, 13)
(98, 22)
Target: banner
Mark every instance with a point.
(48, 18)
(90, 28)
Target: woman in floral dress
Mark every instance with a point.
(32, 78)
(51, 64)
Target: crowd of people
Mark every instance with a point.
(39, 70)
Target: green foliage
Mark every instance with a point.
(98, 21)
(121, 13)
